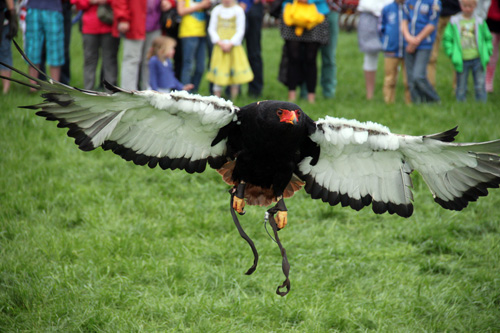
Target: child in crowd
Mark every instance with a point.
(393, 46)
(229, 64)
(467, 41)
(161, 71)
(420, 18)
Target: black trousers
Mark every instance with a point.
(253, 35)
(302, 64)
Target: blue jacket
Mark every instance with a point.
(420, 13)
(391, 36)
(161, 75)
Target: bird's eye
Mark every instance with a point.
(279, 112)
(298, 113)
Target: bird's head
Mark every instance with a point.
(288, 116)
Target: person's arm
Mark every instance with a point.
(122, 15)
(424, 33)
(153, 73)
(13, 21)
(448, 40)
(212, 26)
(194, 7)
(240, 28)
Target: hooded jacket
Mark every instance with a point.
(391, 36)
(453, 46)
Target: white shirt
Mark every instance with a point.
(226, 13)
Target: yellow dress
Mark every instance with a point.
(228, 68)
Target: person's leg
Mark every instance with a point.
(492, 65)
(91, 45)
(390, 78)
(405, 81)
(461, 90)
(311, 70)
(294, 68)
(479, 76)
(144, 68)
(109, 49)
(253, 36)
(431, 67)
(132, 50)
(54, 35)
(370, 71)
(409, 59)
(6, 57)
(199, 68)
(66, 67)
(328, 57)
(425, 89)
(188, 51)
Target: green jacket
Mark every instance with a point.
(453, 46)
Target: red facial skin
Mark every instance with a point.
(288, 116)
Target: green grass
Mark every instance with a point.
(89, 242)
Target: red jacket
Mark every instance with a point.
(133, 12)
(90, 23)
(494, 12)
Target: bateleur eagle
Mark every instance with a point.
(267, 150)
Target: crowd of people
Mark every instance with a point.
(166, 43)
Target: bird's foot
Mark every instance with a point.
(281, 213)
(281, 219)
(239, 198)
(239, 205)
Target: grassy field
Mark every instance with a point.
(91, 243)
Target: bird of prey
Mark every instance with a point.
(268, 150)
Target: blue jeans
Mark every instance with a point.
(328, 55)
(193, 55)
(479, 76)
(421, 90)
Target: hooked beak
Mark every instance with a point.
(288, 116)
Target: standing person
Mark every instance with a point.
(301, 49)
(229, 64)
(98, 41)
(192, 33)
(254, 15)
(328, 79)
(153, 30)
(467, 41)
(7, 32)
(130, 24)
(448, 9)
(393, 47)
(161, 72)
(45, 26)
(493, 22)
(368, 40)
(419, 30)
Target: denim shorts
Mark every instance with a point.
(5, 49)
(45, 26)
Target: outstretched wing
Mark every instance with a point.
(364, 163)
(173, 130)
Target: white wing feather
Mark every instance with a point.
(364, 163)
(174, 130)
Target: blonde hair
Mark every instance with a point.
(160, 45)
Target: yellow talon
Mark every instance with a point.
(281, 219)
(239, 205)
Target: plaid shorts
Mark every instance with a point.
(45, 26)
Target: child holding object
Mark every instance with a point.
(161, 71)
(229, 64)
(468, 42)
